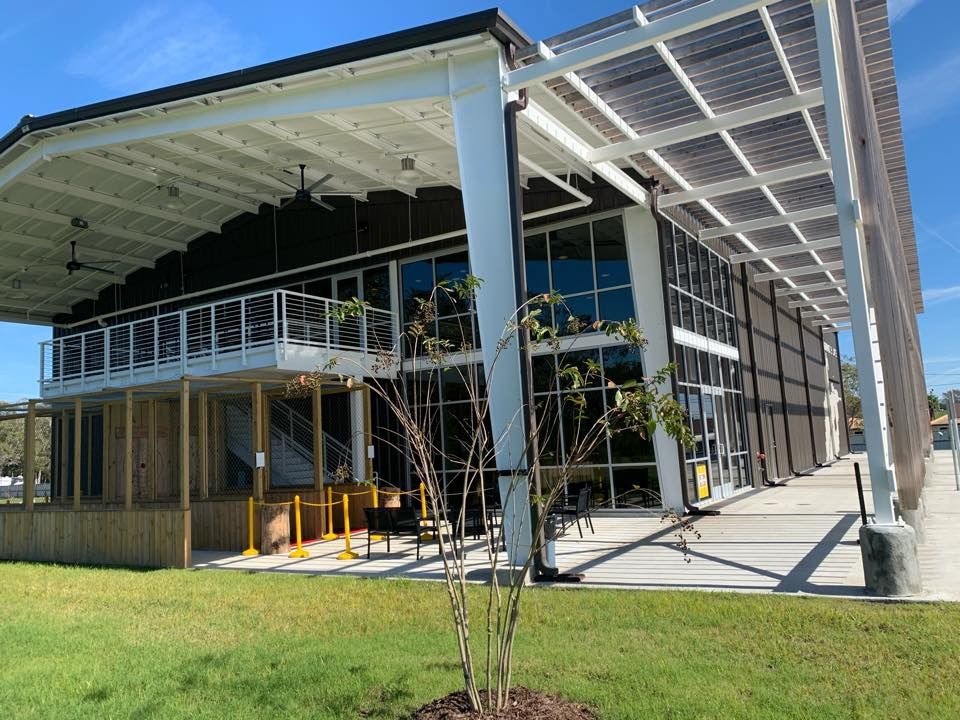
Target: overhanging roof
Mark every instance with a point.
(728, 116)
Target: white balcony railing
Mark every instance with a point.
(254, 330)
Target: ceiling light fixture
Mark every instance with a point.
(173, 199)
(409, 175)
(79, 222)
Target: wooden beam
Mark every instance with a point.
(256, 408)
(367, 431)
(90, 456)
(77, 449)
(128, 451)
(184, 444)
(29, 455)
(317, 439)
(106, 479)
(203, 444)
(267, 445)
(64, 444)
(152, 447)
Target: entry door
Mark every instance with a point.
(723, 444)
(711, 443)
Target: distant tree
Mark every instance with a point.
(851, 388)
(11, 446)
(936, 407)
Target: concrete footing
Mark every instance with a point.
(890, 565)
(915, 519)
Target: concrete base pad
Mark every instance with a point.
(890, 565)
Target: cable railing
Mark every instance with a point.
(203, 338)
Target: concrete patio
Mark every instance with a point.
(799, 537)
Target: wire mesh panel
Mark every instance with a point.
(230, 430)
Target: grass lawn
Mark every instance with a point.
(98, 643)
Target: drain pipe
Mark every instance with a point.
(663, 225)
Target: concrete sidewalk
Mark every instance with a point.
(797, 538)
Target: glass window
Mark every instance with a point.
(629, 446)
(622, 363)
(579, 359)
(544, 373)
(450, 268)
(581, 307)
(636, 487)
(538, 271)
(616, 305)
(318, 288)
(675, 307)
(688, 323)
(417, 282)
(376, 287)
(610, 251)
(571, 260)
(577, 423)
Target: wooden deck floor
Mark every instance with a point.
(797, 538)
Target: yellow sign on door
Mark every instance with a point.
(703, 483)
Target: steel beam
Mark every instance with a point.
(671, 26)
(710, 126)
(786, 250)
(869, 368)
(819, 302)
(750, 182)
(770, 222)
(802, 270)
(814, 287)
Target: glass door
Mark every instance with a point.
(725, 476)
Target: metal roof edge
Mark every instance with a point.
(492, 21)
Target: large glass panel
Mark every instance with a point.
(700, 317)
(683, 277)
(629, 446)
(416, 279)
(376, 287)
(670, 257)
(636, 487)
(675, 307)
(622, 363)
(580, 360)
(538, 271)
(707, 291)
(696, 424)
(616, 305)
(455, 382)
(688, 323)
(544, 373)
(548, 420)
(570, 259)
(449, 269)
(581, 307)
(577, 423)
(693, 259)
(318, 288)
(610, 251)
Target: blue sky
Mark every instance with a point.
(59, 55)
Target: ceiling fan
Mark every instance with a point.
(304, 193)
(73, 264)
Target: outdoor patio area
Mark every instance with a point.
(799, 537)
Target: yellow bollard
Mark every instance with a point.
(329, 534)
(376, 504)
(250, 550)
(299, 552)
(347, 553)
(423, 512)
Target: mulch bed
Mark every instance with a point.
(524, 705)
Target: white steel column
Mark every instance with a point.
(479, 120)
(358, 436)
(869, 370)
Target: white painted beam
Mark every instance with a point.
(869, 369)
(669, 27)
(813, 287)
(750, 182)
(819, 302)
(95, 227)
(177, 170)
(538, 118)
(801, 270)
(786, 250)
(834, 313)
(101, 198)
(709, 126)
(770, 222)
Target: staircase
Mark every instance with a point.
(291, 444)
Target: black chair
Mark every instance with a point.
(395, 522)
(579, 509)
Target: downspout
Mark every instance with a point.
(662, 225)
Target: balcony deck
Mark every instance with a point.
(279, 330)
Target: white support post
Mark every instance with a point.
(479, 119)
(954, 438)
(358, 438)
(869, 371)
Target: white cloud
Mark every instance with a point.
(927, 95)
(934, 296)
(164, 44)
(896, 9)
